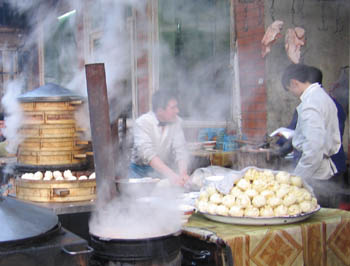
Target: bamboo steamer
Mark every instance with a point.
(55, 191)
(51, 158)
(51, 131)
(50, 106)
(49, 127)
(52, 144)
(52, 140)
(50, 112)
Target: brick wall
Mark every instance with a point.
(249, 27)
(80, 42)
(143, 89)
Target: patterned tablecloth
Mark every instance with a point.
(322, 239)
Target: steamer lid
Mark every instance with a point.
(50, 92)
(20, 220)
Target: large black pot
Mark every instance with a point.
(165, 249)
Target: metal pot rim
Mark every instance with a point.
(156, 238)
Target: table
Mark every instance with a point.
(323, 239)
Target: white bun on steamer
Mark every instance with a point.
(67, 174)
(48, 175)
(57, 174)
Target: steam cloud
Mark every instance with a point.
(130, 218)
(120, 217)
(155, 214)
(13, 116)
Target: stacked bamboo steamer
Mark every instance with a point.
(49, 127)
(52, 141)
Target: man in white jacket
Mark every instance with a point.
(316, 134)
(159, 148)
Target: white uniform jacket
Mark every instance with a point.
(317, 134)
(150, 140)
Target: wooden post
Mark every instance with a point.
(101, 132)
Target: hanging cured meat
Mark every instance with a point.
(272, 34)
(294, 39)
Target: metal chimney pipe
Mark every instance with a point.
(104, 160)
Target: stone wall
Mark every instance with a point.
(327, 47)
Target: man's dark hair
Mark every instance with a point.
(315, 75)
(298, 72)
(161, 98)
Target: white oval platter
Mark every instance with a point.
(260, 220)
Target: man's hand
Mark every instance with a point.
(160, 166)
(179, 180)
(184, 177)
(286, 148)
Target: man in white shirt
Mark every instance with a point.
(316, 134)
(159, 148)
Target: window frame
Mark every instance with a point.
(154, 60)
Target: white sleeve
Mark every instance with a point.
(143, 142)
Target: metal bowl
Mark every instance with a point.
(136, 187)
